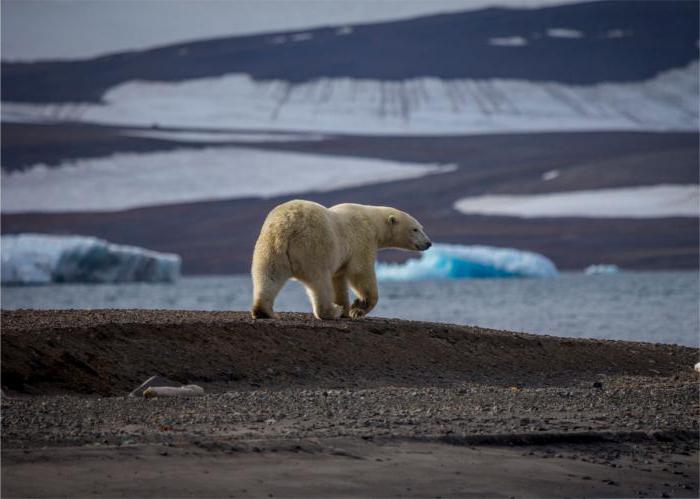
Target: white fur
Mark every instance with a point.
(328, 250)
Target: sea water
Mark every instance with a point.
(637, 306)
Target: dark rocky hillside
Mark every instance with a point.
(620, 41)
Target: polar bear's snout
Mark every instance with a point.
(424, 246)
(421, 240)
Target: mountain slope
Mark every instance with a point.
(586, 43)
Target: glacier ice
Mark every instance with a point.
(44, 258)
(454, 261)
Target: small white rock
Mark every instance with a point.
(153, 381)
(697, 367)
(172, 391)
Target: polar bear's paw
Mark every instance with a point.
(337, 311)
(356, 313)
(330, 314)
(358, 309)
(262, 313)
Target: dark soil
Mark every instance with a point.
(109, 352)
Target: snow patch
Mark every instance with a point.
(453, 261)
(43, 258)
(129, 180)
(508, 41)
(564, 33)
(654, 201)
(668, 101)
(300, 37)
(550, 175)
(618, 33)
(192, 136)
(344, 30)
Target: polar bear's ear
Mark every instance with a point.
(392, 220)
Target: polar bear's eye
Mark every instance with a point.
(415, 230)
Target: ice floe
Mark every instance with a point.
(453, 261)
(601, 269)
(44, 258)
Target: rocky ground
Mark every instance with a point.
(376, 407)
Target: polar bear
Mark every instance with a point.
(328, 249)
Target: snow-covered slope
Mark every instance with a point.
(129, 180)
(668, 101)
(655, 201)
(42, 258)
(453, 261)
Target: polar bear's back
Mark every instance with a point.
(298, 219)
(299, 232)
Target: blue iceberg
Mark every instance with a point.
(44, 258)
(454, 261)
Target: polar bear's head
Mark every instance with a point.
(406, 232)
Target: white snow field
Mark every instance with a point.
(655, 201)
(668, 101)
(44, 258)
(130, 180)
(455, 261)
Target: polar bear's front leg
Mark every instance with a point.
(340, 285)
(365, 287)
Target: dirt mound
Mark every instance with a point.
(109, 352)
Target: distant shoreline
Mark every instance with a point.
(486, 163)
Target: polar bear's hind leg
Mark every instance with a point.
(321, 294)
(342, 299)
(270, 272)
(264, 294)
